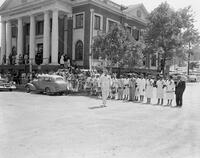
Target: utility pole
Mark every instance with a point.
(189, 55)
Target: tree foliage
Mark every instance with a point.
(164, 30)
(170, 31)
(118, 47)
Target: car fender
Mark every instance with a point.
(31, 86)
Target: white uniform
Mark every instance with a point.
(170, 90)
(149, 88)
(137, 92)
(142, 86)
(105, 87)
(126, 84)
(160, 89)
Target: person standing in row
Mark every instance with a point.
(126, 89)
(120, 88)
(142, 85)
(137, 90)
(160, 85)
(105, 83)
(170, 91)
(149, 89)
(132, 88)
(179, 90)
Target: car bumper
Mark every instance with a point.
(7, 88)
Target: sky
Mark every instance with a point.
(152, 4)
(176, 4)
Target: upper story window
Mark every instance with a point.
(111, 24)
(153, 60)
(97, 22)
(39, 28)
(136, 34)
(139, 13)
(14, 32)
(129, 29)
(144, 60)
(79, 21)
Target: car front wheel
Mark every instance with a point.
(28, 90)
(47, 91)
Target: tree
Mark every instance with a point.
(118, 47)
(190, 35)
(164, 32)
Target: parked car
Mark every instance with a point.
(183, 76)
(6, 86)
(49, 84)
(192, 78)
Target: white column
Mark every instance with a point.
(3, 41)
(91, 37)
(54, 53)
(46, 40)
(8, 41)
(19, 38)
(32, 40)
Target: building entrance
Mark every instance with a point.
(39, 54)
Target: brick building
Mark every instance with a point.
(50, 28)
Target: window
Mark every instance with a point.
(153, 60)
(129, 30)
(79, 21)
(14, 32)
(136, 34)
(39, 28)
(97, 22)
(144, 61)
(79, 50)
(111, 24)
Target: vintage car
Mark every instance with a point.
(6, 86)
(49, 84)
(192, 78)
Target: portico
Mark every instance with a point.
(48, 12)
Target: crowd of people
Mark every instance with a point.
(127, 87)
(137, 88)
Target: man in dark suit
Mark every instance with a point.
(180, 88)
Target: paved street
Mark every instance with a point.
(40, 126)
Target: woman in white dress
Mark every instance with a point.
(137, 91)
(149, 89)
(160, 85)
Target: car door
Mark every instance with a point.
(36, 83)
(44, 83)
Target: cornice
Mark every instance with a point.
(110, 9)
(26, 7)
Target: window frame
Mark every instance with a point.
(97, 26)
(107, 23)
(39, 28)
(83, 19)
(153, 60)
